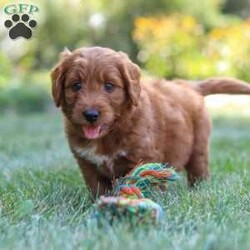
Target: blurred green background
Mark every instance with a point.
(168, 38)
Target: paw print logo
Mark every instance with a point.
(20, 26)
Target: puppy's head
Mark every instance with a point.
(95, 86)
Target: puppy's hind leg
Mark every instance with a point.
(197, 167)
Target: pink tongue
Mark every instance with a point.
(91, 132)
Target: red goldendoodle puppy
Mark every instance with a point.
(113, 120)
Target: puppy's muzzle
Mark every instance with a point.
(91, 115)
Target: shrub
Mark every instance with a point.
(24, 99)
(178, 45)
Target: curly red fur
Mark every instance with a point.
(148, 121)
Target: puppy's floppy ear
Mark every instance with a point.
(57, 84)
(57, 78)
(131, 76)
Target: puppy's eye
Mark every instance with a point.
(76, 86)
(109, 87)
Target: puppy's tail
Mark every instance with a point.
(221, 85)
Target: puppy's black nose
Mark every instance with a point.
(91, 115)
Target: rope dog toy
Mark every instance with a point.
(132, 193)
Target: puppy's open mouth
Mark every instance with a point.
(91, 131)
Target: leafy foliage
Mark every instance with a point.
(181, 38)
(24, 100)
(178, 45)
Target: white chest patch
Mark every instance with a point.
(89, 153)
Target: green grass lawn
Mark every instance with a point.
(44, 203)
